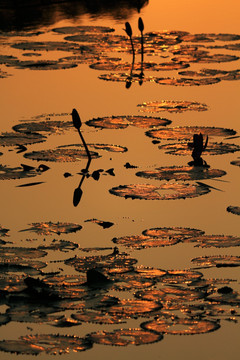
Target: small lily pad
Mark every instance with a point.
(217, 260)
(235, 162)
(105, 147)
(49, 228)
(172, 106)
(179, 233)
(61, 155)
(150, 192)
(122, 122)
(83, 29)
(182, 173)
(50, 126)
(96, 317)
(3, 232)
(219, 241)
(182, 148)
(7, 173)
(124, 337)
(143, 242)
(186, 81)
(234, 209)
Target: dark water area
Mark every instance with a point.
(27, 14)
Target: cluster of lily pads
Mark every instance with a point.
(161, 302)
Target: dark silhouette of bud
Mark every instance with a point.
(128, 29)
(140, 24)
(77, 196)
(76, 119)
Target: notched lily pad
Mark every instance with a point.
(122, 122)
(234, 209)
(14, 139)
(181, 326)
(182, 173)
(124, 337)
(218, 241)
(172, 106)
(45, 343)
(61, 155)
(182, 148)
(49, 228)
(150, 192)
(187, 132)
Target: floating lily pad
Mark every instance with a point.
(143, 242)
(221, 74)
(48, 228)
(187, 132)
(234, 209)
(178, 233)
(45, 343)
(116, 65)
(128, 282)
(182, 148)
(46, 46)
(96, 317)
(12, 283)
(234, 46)
(104, 224)
(61, 155)
(235, 162)
(172, 106)
(124, 337)
(122, 122)
(218, 241)
(204, 58)
(50, 126)
(7, 173)
(182, 326)
(150, 192)
(3, 232)
(152, 273)
(170, 294)
(131, 308)
(209, 37)
(61, 245)
(21, 266)
(44, 65)
(181, 276)
(181, 173)
(124, 77)
(218, 261)
(11, 253)
(186, 81)
(105, 147)
(83, 29)
(14, 139)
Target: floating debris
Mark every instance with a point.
(182, 173)
(150, 192)
(122, 122)
(172, 106)
(49, 228)
(234, 209)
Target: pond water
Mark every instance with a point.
(162, 232)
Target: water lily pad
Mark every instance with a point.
(172, 106)
(181, 173)
(235, 162)
(45, 343)
(209, 37)
(105, 147)
(12, 283)
(178, 233)
(11, 253)
(218, 241)
(96, 317)
(49, 126)
(44, 65)
(234, 209)
(116, 65)
(3, 232)
(131, 308)
(49, 228)
(14, 139)
(221, 74)
(128, 282)
(182, 148)
(62, 245)
(181, 276)
(148, 272)
(61, 155)
(150, 192)
(125, 77)
(143, 242)
(217, 260)
(186, 81)
(170, 294)
(124, 337)
(83, 29)
(7, 173)
(24, 266)
(202, 57)
(122, 122)
(104, 224)
(181, 326)
(187, 132)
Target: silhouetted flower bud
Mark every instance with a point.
(128, 29)
(140, 24)
(76, 119)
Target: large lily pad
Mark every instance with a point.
(179, 233)
(189, 327)
(217, 260)
(221, 74)
(122, 122)
(14, 139)
(209, 37)
(187, 132)
(96, 317)
(182, 148)
(150, 192)
(124, 337)
(218, 241)
(50, 126)
(143, 242)
(49, 228)
(61, 155)
(11, 253)
(181, 173)
(172, 106)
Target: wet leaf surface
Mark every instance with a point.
(150, 192)
(181, 173)
(172, 106)
(49, 228)
(61, 155)
(234, 209)
(11, 253)
(96, 317)
(186, 132)
(124, 337)
(186, 81)
(181, 326)
(122, 122)
(116, 65)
